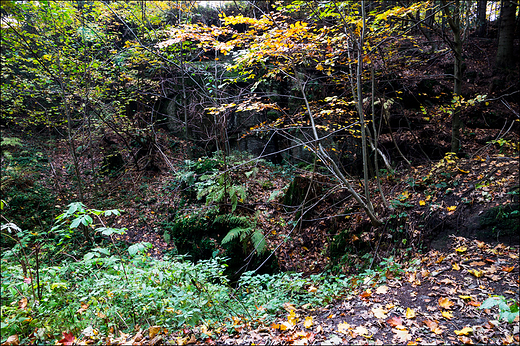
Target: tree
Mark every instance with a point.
(506, 34)
(481, 18)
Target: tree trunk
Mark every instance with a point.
(456, 46)
(506, 34)
(481, 18)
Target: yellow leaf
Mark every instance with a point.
(461, 249)
(464, 331)
(421, 202)
(463, 171)
(447, 315)
(476, 273)
(312, 289)
(455, 266)
(452, 208)
(308, 322)
(182, 341)
(410, 313)
(464, 297)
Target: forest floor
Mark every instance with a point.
(451, 228)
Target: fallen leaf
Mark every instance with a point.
(12, 341)
(465, 340)
(461, 249)
(445, 303)
(476, 273)
(403, 335)
(292, 318)
(421, 202)
(452, 208)
(68, 339)
(395, 321)
(447, 315)
(434, 326)
(455, 266)
(379, 313)
(153, 331)
(464, 331)
(361, 330)
(440, 259)
(480, 244)
(447, 281)
(474, 303)
(312, 289)
(286, 325)
(382, 289)
(182, 341)
(508, 269)
(343, 327)
(22, 304)
(366, 294)
(84, 307)
(308, 322)
(477, 263)
(410, 313)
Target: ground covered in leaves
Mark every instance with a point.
(437, 300)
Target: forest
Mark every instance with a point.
(259, 172)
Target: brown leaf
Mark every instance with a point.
(465, 340)
(508, 269)
(366, 294)
(22, 304)
(477, 263)
(12, 341)
(153, 331)
(84, 307)
(434, 326)
(395, 321)
(445, 303)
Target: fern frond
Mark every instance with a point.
(234, 233)
(258, 240)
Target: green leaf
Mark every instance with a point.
(138, 247)
(76, 222)
(234, 233)
(489, 303)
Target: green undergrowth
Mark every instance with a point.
(106, 290)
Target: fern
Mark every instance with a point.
(233, 220)
(13, 141)
(236, 232)
(259, 242)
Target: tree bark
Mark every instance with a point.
(454, 23)
(506, 34)
(481, 18)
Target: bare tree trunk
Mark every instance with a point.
(506, 33)
(454, 23)
(481, 18)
